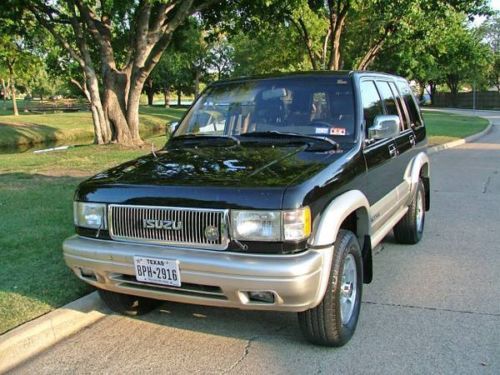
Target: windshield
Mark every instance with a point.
(312, 106)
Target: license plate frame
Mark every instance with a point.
(159, 271)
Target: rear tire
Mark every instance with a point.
(126, 304)
(334, 320)
(410, 228)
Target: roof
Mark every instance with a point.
(310, 73)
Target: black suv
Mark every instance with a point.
(270, 195)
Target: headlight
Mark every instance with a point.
(292, 225)
(256, 225)
(90, 215)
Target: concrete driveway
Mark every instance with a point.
(432, 308)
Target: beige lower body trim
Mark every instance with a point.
(211, 278)
(387, 226)
(388, 211)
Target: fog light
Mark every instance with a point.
(266, 297)
(88, 273)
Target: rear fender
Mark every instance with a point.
(417, 168)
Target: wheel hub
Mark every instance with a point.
(348, 289)
(420, 211)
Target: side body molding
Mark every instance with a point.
(325, 232)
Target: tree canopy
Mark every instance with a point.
(113, 50)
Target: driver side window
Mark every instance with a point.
(372, 104)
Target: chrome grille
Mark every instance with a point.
(127, 223)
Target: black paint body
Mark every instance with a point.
(259, 175)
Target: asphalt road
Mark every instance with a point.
(432, 308)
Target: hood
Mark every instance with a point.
(248, 165)
(209, 173)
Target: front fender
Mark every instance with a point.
(336, 212)
(330, 221)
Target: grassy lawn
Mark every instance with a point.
(445, 127)
(36, 192)
(29, 129)
(35, 215)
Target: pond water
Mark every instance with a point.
(19, 149)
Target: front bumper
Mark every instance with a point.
(213, 278)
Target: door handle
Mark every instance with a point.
(412, 140)
(393, 151)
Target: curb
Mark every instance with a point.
(458, 142)
(33, 337)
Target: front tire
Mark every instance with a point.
(126, 304)
(410, 228)
(334, 320)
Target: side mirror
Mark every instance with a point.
(171, 126)
(384, 126)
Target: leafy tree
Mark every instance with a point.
(491, 31)
(182, 66)
(439, 51)
(494, 76)
(324, 26)
(257, 53)
(130, 37)
(18, 63)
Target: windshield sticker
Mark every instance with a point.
(338, 131)
(321, 131)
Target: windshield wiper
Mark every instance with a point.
(290, 135)
(204, 137)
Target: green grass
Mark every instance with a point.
(445, 127)
(35, 215)
(30, 129)
(36, 192)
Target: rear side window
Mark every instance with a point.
(388, 98)
(372, 104)
(405, 124)
(411, 105)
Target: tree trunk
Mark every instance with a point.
(197, 83)
(14, 103)
(13, 91)
(4, 88)
(421, 90)
(453, 82)
(102, 127)
(335, 51)
(115, 106)
(179, 93)
(337, 16)
(433, 87)
(166, 97)
(151, 96)
(149, 91)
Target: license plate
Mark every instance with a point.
(158, 271)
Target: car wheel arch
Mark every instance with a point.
(344, 210)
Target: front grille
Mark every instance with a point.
(169, 225)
